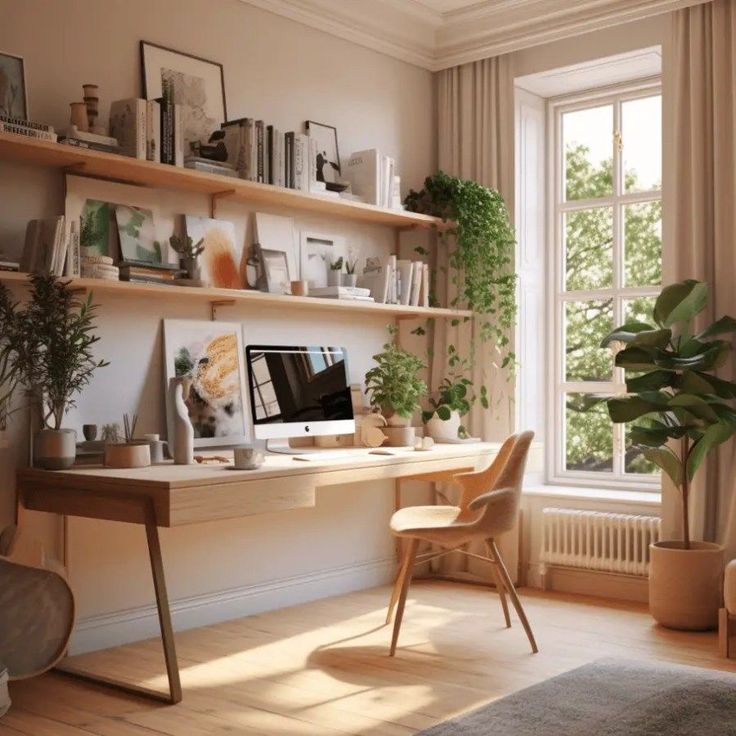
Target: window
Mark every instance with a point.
(606, 216)
(264, 395)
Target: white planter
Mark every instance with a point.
(334, 278)
(55, 449)
(350, 279)
(685, 585)
(444, 429)
(4, 695)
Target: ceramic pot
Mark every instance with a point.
(334, 278)
(183, 439)
(685, 584)
(55, 449)
(128, 454)
(444, 429)
(350, 279)
(78, 116)
(399, 436)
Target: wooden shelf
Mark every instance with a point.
(256, 299)
(133, 171)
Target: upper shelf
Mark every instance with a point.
(133, 171)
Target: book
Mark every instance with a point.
(44, 250)
(129, 270)
(362, 170)
(301, 162)
(376, 277)
(153, 131)
(26, 123)
(9, 266)
(236, 145)
(73, 254)
(178, 135)
(416, 283)
(289, 156)
(128, 126)
(278, 137)
(73, 131)
(345, 297)
(340, 291)
(405, 268)
(78, 143)
(42, 135)
(396, 203)
(259, 165)
(209, 167)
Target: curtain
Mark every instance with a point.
(700, 217)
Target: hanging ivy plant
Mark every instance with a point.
(481, 261)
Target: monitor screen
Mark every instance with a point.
(298, 390)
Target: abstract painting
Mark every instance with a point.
(220, 262)
(211, 354)
(12, 87)
(137, 234)
(327, 164)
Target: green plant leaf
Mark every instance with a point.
(667, 460)
(629, 408)
(696, 405)
(637, 358)
(724, 389)
(443, 412)
(652, 381)
(719, 327)
(713, 436)
(626, 333)
(680, 302)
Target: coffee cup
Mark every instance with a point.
(247, 458)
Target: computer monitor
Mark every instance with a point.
(298, 391)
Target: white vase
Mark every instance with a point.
(350, 279)
(334, 278)
(55, 449)
(444, 429)
(183, 439)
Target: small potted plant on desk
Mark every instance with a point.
(394, 386)
(682, 413)
(443, 421)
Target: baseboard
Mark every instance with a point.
(135, 624)
(591, 582)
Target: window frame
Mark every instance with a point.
(557, 385)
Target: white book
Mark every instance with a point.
(301, 162)
(153, 131)
(43, 135)
(405, 270)
(362, 170)
(128, 126)
(388, 181)
(416, 282)
(425, 285)
(178, 135)
(60, 246)
(396, 202)
(340, 291)
(393, 282)
(279, 143)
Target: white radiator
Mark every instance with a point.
(595, 540)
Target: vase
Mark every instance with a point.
(135, 454)
(334, 278)
(78, 116)
(55, 449)
(350, 279)
(183, 439)
(444, 429)
(685, 584)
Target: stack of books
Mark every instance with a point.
(147, 273)
(198, 163)
(373, 177)
(351, 293)
(45, 247)
(28, 128)
(92, 141)
(7, 265)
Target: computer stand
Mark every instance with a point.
(282, 447)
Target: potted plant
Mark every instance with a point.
(334, 276)
(189, 253)
(682, 413)
(50, 342)
(394, 386)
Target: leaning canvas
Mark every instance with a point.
(211, 354)
(220, 262)
(137, 234)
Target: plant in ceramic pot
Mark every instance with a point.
(189, 253)
(682, 412)
(52, 338)
(393, 384)
(351, 277)
(334, 276)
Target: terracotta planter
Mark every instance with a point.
(399, 436)
(444, 429)
(55, 449)
(128, 455)
(685, 586)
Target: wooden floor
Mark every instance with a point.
(322, 668)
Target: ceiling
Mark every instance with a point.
(437, 34)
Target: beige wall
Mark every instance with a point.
(284, 73)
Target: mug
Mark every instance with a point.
(247, 458)
(300, 288)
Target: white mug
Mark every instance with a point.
(247, 458)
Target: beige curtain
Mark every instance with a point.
(700, 214)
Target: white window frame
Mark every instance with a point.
(557, 297)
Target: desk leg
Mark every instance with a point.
(167, 632)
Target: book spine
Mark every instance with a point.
(252, 148)
(41, 135)
(178, 136)
(26, 123)
(259, 145)
(153, 131)
(269, 155)
(290, 160)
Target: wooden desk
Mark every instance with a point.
(174, 495)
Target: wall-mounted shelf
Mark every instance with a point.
(255, 298)
(133, 171)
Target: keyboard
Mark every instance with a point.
(317, 456)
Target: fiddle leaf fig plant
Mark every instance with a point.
(680, 410)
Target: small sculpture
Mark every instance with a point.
(183, 439)
(91, 103)
(370, 434)
(189, 254)
(214, 149)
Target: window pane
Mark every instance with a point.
(639, 309)
(588, 435)
(643, 244)
(589, 249)
(634, 461)
(588, 147)
(641, 130)
(586, 324)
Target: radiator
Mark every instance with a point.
(595, 540)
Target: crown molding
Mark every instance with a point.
(417, 33)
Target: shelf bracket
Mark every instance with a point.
(215, 305)
(216, 196)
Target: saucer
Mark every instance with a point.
(254, 466)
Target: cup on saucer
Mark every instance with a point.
(247, 458)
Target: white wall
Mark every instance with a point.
(284, 73)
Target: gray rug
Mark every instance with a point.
(610, 698)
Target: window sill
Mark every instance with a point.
(647, 499)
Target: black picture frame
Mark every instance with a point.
(322, 130)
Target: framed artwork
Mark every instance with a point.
(94, 227)
(327, 164)
(211, 354)
(315, 253)
(220, 260)
(137, 233)
(13, 99)
(198, 84)
(277, 233)
(275, 271)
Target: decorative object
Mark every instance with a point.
(220, 259)
(275, 271)
(323, 145)
(189, 253)
(91, 102)
(334, 275)
(198, 86)
(211, 355)
(110, 432)
(423, 443)
(13, 98)
(316, 253)
(182, 436)
(675, 397)
(350, 278)
(300, 288)
(156, 446)
(137, 235)
(443, 420)
(393, 385)
(129, 454)
(78, 116)
(400, 436)
(90, 432)
(247, 458)
(273, 232)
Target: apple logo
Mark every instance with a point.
(306, 428)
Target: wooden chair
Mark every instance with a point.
(489, 506)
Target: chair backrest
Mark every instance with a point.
(478, 482)
(500, 502)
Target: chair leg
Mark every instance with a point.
(409, 556)
(512, 592)
(724, 632)
(398, 582)
(500, 587)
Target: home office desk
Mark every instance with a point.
(175, 495)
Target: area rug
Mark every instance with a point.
(610, 697)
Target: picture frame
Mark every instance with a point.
(327, 165)
(198, 83)
(13, 91)
(212, 354)
(316, 251)
(275, 271)
(274, 232)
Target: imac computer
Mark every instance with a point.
(298, 391)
